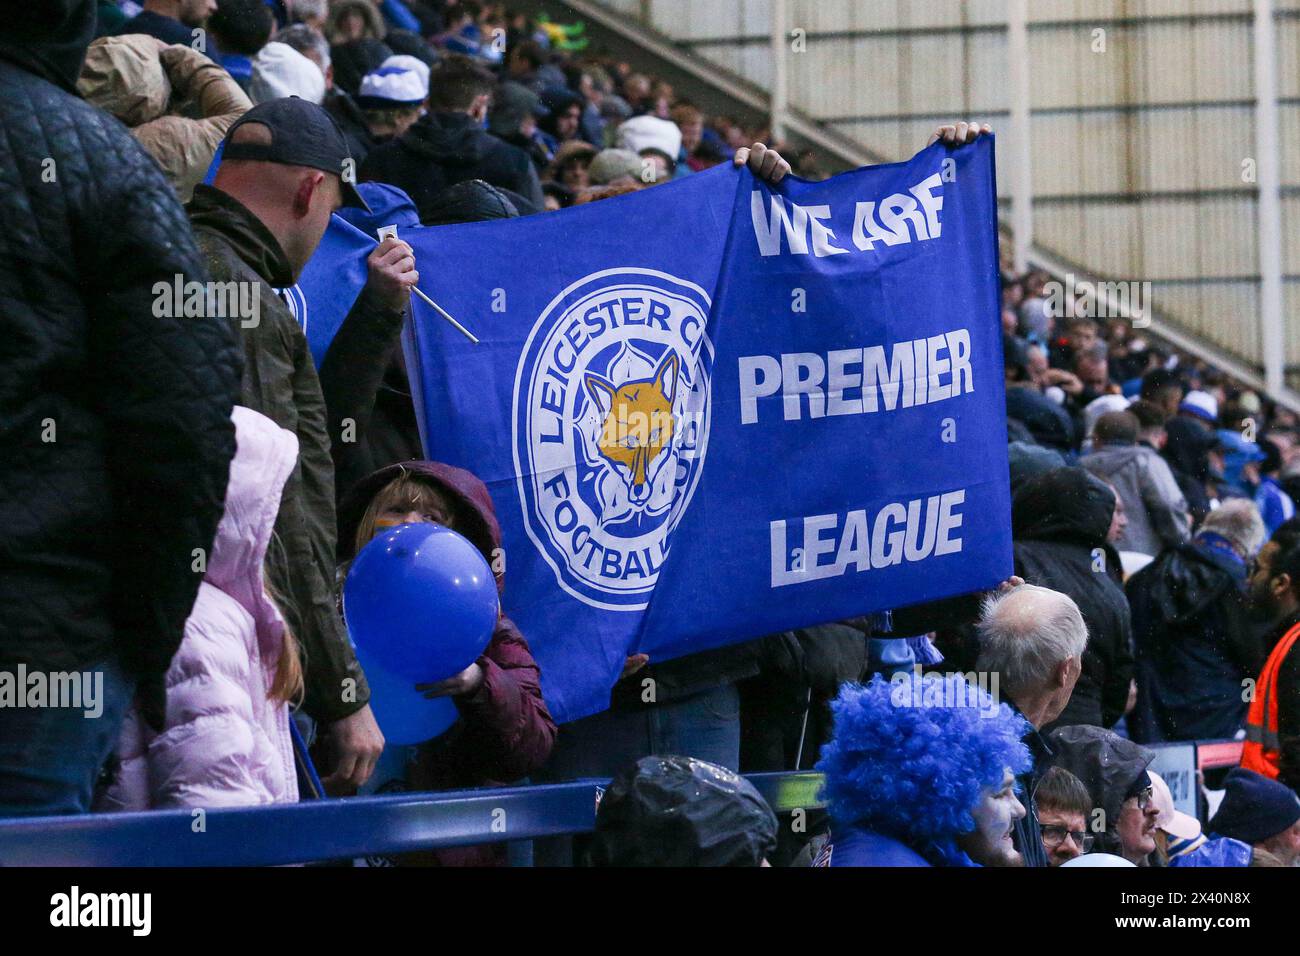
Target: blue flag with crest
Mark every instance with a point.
(713, 409)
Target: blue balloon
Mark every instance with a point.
(401, 711)
(420, 602)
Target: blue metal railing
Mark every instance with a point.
(332, 828)
(360, 826)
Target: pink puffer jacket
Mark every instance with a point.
(225, 743)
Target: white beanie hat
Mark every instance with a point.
(1101, 405)
(650, 132)
(1201, 404)
(405, 61)
(391, 86)
(279, 71)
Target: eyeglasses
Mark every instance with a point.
(1143, 798)
(1054, 836)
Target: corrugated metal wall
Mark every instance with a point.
(1139, 132)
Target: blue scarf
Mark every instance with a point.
(1211, 543)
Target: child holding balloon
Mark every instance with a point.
(503, 731)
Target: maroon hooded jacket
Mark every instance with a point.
(505, 731)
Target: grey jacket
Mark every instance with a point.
(1157, 512)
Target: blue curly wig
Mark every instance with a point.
(905, 764)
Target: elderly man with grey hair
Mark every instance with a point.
(306, 37)
(1033, 638)
(1193, 640)
(313, 13)
(312, 44)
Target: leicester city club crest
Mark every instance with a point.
(611, 425)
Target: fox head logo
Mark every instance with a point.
(610, 428)
(638, 423)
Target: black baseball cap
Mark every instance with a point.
(302, 134)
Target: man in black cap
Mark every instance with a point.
(285, 169)
(1261, 812)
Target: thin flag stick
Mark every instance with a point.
(384, 232)
(442, 312)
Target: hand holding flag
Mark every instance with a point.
(389, 234)
(392, 273)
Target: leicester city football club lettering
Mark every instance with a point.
(730, 410)
(611, 428)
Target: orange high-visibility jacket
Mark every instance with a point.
(1262, 748)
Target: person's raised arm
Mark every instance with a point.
(353, 368)
(183, 145)
(958, 133)
(765, 163)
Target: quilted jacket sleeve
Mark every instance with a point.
(213, 750)
(166, 386)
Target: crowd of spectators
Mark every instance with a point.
(587, 124)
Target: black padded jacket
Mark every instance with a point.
(115, 432)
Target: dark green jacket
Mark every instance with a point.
(280, 382)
